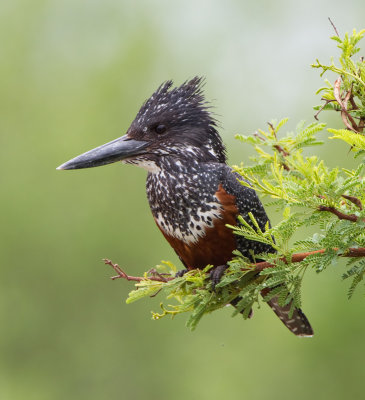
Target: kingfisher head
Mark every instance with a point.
(173, 122)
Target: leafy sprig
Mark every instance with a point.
(309, 194)
(347, 93)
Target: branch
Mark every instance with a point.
(361, 125)
(352, 252)
(353, 200)
(279, 148)
(334, 27)
(321, 109)
(343, 104)
(121, 274)
(339, 214)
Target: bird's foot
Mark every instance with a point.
(216, 274)
(181, 273)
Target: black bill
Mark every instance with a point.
(116, 150)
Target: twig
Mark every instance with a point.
(353, 104)
(281, 150)
(154, 272)
(361, 125)
(321, 109)
(122, 274)
(272, 128)
(343, 104)
(334, 27)
(353, 200)
(351, 252)
(285, 154)
(338, 213)
(259, 136)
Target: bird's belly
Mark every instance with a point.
(214, 248)
(214, 244)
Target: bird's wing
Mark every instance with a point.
(246, 201)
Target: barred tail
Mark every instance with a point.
(297, 323)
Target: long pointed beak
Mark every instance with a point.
(108, 153)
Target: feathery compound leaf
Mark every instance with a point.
(356, 141)
(281, 124)
(357, 272)
(305, 191)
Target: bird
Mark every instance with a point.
(192, 192)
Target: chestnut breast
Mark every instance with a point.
(215, 243)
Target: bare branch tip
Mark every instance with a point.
(334, 27)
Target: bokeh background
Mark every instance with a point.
(73, 75)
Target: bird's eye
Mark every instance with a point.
(160, 129)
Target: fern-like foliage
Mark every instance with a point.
(356, 141)
(348, 96)
(307, 192)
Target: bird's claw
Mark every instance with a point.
(216, 274)
(181, 273)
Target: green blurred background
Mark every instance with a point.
(73, 75)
